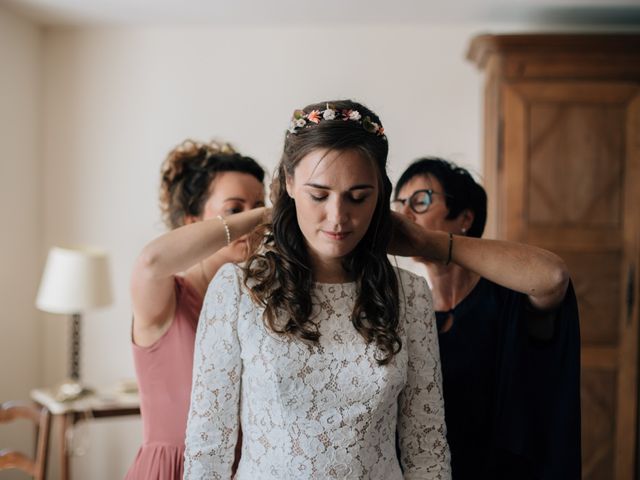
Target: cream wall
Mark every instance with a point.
(20, 241)
(87, 115)
(116, 100)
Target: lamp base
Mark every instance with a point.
(70, 390)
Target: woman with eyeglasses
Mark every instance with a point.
(508, 331)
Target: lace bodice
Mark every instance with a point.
(314, 411)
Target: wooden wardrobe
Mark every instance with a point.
(562, 171)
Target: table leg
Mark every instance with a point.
(66, 422)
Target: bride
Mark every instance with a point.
(319, 350)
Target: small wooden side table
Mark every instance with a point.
(67, 414)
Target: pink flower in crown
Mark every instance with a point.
(353, 115)
(314, 116)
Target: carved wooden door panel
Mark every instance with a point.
(569, 167)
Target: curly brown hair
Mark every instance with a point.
(187, 173)
(278, 274)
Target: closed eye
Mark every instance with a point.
(357, 199)
(231, 211)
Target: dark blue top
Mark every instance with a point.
(511, 388)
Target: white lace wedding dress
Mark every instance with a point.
(314, 412)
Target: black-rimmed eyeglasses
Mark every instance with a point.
(419, 201)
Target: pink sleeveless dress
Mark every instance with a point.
(164, 372)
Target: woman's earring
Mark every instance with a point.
(464, 231)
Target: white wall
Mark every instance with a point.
(116, 100)
(87, 115)
(20, 241)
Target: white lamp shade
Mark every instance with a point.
(74, 280)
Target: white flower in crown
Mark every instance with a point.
(354, 115)
(329, 114)
(300, 122)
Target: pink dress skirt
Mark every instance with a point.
(164, 372)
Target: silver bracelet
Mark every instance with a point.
(226, 228)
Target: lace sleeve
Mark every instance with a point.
(212, 427)
(424, 450)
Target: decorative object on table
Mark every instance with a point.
(127, 386)
(74, 281)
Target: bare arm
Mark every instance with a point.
(538, 273)
(152, 282)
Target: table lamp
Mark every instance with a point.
(74, 281)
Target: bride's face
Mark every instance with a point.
(335, 194)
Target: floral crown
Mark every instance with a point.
(301, 119)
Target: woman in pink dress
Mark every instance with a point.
(210, 197)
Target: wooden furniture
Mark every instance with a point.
(12, 459)
(562, 171)
(67, 414)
